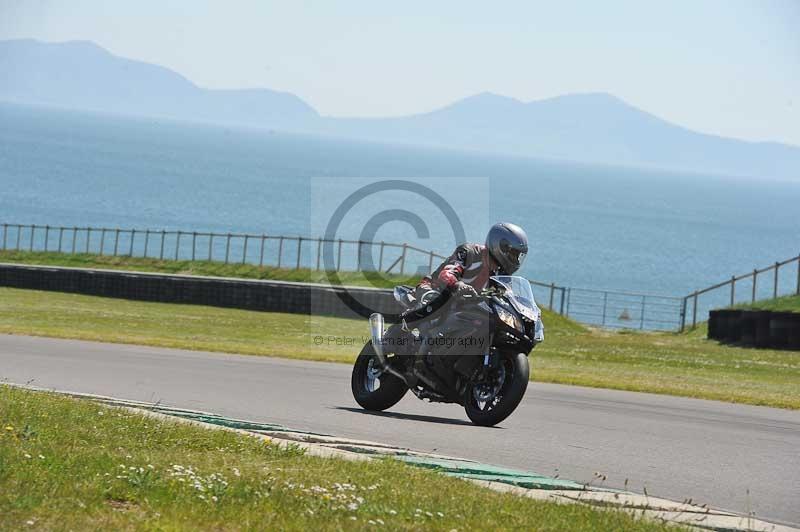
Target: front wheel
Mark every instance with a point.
(372, 388)
(491, 401)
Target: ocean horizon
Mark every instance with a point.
(593, 226)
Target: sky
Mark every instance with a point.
(729, 68)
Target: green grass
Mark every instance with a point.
(215, 269)
(667, 363)
(782, 304)
(69, 464)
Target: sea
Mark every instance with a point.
(592, 226)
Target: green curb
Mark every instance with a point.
(449, 466)
(477, 471)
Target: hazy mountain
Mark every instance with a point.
(82, 75)
(580, 127)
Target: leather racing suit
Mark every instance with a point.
(469, 263)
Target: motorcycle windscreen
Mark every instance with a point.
(521, 295)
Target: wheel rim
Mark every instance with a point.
(488, 394)
(372, 377)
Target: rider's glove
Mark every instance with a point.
(465, 290)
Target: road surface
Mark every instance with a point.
(733, 457)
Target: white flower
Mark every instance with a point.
(393, 512)
(380, 521)
(41, 456)
(236, 472)
(27, 455)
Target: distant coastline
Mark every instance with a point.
(593, 128)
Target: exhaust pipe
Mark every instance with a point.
(376, 331)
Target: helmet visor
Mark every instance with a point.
(516, 256)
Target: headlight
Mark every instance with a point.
(509, 319)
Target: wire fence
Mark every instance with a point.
(763, 283)
(624, 310)
(280, 251)
(602, 308)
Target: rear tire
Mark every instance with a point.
(386, 395)
(513, 390)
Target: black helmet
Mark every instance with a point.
(507, 244)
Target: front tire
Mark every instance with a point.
(512, 390)
(389, 389)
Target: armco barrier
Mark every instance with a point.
(756, 328)
(249, 294)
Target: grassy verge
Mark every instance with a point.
(781, 304)
(68, 464)
(214, 269)
(667, 363)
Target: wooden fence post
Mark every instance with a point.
(683, 314)
(694, 311)
(299, 251)
(775, 286)
(552, 293)
(33, 230)
(280, 251)
(733, 289)
(146, 241)
(163, 237)
(798, 275)
(194, 244)
(227, 248)
(5, 233)
(88, 238)
(133, 237)
(46, 236)
(380, 258)
(74, 237)
(569, 297)
(605, 305)
(358, 256)
(261, 255)
(210, 246)
(102, 240)
(644, 302)
(177, 244)
(244, 251)
(563, 296)
(339, 256)
(755, 277)
(60, 238)
(319, 251)
(116, 241)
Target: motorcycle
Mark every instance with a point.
(472, 351)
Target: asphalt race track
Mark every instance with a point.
(677, 448)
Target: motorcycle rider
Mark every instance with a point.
(468, 269)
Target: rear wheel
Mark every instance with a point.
(491, 401)
(372, 388)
